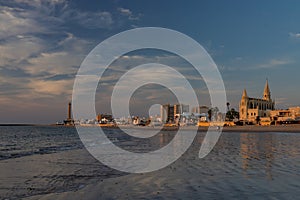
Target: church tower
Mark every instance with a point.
(245, 95)
(244, 105)
(267, 93)
(253, 109)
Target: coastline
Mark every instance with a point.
(291, 128)
(18, 124)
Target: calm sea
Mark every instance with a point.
(37, 160)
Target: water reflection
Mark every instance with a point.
(257, 152)
(164, 139)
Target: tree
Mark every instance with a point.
(232, 114)
(209, 114)
(227, 104)
(212, 113)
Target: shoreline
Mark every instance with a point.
(254, 128)
(291, 128)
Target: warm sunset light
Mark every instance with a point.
(139, 99)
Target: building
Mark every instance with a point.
(295, 112)
(69, 120)
(104, 118)
(200, 110)
(171, 113)
(279, 116)
(252, 109)
(291, 115)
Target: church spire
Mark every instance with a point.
(245, 95)
(267, 93)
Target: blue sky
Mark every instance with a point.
(43, 42)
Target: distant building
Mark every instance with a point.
(200, 110)
(291, 115)
(295, 112)
(69, 120)
(280, 115)
(252, 109)
(171, 113)
(104, 118)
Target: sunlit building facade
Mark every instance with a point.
(171, 113)
(252, 109)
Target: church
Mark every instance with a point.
(252, 109)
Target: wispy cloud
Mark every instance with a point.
(91, 20)
(51, 87)
(37, 51)
(128, 13)
(18, 49)
(274, 63)
(294, 35)
(16, 21)
(125, 11)
(241, 65)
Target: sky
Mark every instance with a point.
(44, 42)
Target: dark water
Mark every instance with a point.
(47, 160)
(18, 141)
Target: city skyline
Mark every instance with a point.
(43, 44)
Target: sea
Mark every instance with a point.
(48, 162)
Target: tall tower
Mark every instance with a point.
(69, 111)
(164, 112)
(245, 95)
(267, 93)
(69, 121)
(244, 106)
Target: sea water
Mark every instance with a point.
(43, 160)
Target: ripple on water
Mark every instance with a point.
(242, 165)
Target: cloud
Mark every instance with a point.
(22, 92)
(18, 49)
(294, 35)
(69, 54)
(128, 13)
(41, 7)
(32, 35)
(20, 17)
(91, 20)
(42, 44)
(35, 53)
(245, 65)
(125, 11)
(30, 54)
(51, 87)
(15, 21)
(38, 3)
(274, 63)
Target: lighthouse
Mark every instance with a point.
(69, 111)
(69, 121)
